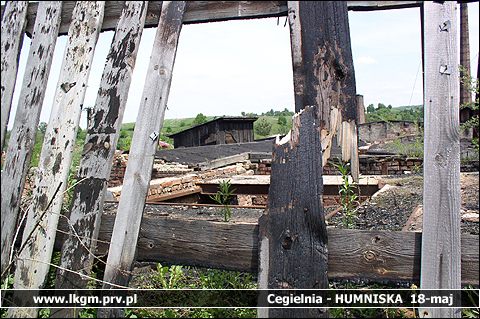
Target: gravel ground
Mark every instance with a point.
(391, 209)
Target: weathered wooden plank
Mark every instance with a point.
(352, 254)
(441, 199)
(294, 224)
(465, 91)
(220, 162)
(144, 143)
(323, 72)
(22, 137)
(13, 26)
(100, 145)
(210, 11)
(56, 155)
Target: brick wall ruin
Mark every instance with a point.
(377, 165)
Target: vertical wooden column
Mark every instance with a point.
(100, 144)
(293, 239)
(323, 72)
(27, 116)
(465, 93)
(360, 109)
(440, 265)
(14, 20)
(56, 156)
(144, 144)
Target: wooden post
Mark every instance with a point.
(293, 234)
(56, 156)
(465, 93)
(440, 265)
(144, 144)
(27, 116)
(13, 28)
(360, 109)
(293, 238)
(311, 57)
(100, 145)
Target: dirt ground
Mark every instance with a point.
(392, 208)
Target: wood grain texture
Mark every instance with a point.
(27, 116)
(379, 256)
(144, 144)
(441, 253)
(13, 25)
(56, 155)
(210, 11)
(294, 222)
(323, 73)
(100, 145)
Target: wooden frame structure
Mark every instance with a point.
(294, 228)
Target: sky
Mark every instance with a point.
(225, 68)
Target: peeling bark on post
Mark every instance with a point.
(440, 264)
(293, 234)
(99, 148)
(323, 71)
(144, 144)
(27, 116)
(56, 155)
(14, 20)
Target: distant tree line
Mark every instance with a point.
(383, 112)
(285, 112)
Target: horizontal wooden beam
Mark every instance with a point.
(207, 11)
(224, 161)
(373, 255)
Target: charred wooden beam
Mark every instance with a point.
(379, 256)
(293, 234)
(210, 11)
(324, 75)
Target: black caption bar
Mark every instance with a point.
(241, 298)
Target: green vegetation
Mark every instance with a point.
(178, 277)
(170, 126)
(199, 119)
(348, 194)
(410, 149)
(262, 127)
(413, 113)
(223, 197)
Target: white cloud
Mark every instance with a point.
(365, 60)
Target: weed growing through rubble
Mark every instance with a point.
(348, 194)
(222, 197)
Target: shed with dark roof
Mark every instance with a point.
(222, 130)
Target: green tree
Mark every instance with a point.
(262, 127)
(381, 106)
(199, 119)
(370, 108)
(282, 120)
